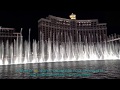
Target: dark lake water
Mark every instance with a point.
(102, 69)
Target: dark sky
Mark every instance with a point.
(26, 15)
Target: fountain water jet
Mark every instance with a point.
(20, 52)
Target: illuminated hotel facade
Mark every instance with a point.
(62, 29)
(9, 34)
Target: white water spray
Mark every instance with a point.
(20, 52)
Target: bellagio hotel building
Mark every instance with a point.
(63, 30)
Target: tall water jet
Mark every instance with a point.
(21, 52)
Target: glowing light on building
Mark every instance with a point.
(73, 16)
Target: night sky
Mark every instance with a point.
(27, 15)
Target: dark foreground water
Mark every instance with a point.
(63, 70)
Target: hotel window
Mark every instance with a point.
(46, 23)
(43, 22)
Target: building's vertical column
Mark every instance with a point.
(101, 33)
(99, 36)
(67, 29)
(44, 33)
(76, 32)
(77, 35)
(41, 32)
(55, 34)
(49, 28)
(0, 35)
(94, 36)
(69, 33)
(83, 35)
(87, 32)
(105, 34)
(52, 34)
(86, 35)
(47, 33)
(90, 35)
(61, 34)
(45, 30)
(38, 33)
(64, 32)
(72, 35)
(80, 34)
(39, 38)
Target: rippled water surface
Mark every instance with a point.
(63, 70)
